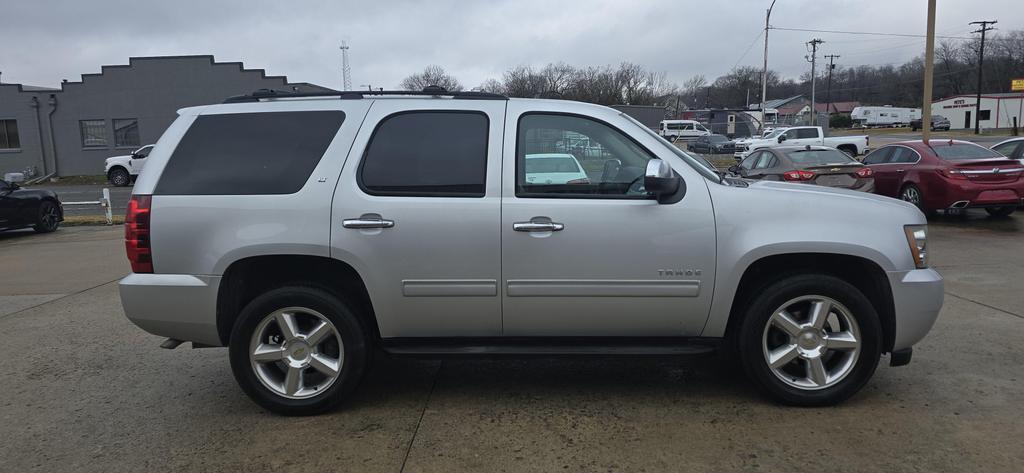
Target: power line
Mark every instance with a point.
(867, 33)
(752, 43)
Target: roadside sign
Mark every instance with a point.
(1017, 84)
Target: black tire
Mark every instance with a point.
(49, 217)
(352, 332)
(1000, 211)
(761, 309)
(119, 177)
(911, 193)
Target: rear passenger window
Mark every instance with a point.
(806, 133)
(249, 153)
(428, 154)
(903, 155)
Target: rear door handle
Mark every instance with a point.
(900, 170)
(368, 221)
(537, 227)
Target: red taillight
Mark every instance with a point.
(582, 180)
(798, 175)
(950, 173)
(865, 172)
(136, 234)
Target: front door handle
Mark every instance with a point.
(534, 226)
(900, 170)
(368, 221)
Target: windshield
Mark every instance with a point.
(718, 139)
(963, 151)
(551, 164)
(776, 133)
(819, 157)
(693, 162)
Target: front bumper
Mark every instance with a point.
(917, 296)
(179, 306)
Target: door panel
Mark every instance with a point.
(429, 254)
(602, 264)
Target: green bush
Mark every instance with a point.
(840, 120)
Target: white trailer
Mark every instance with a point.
(887, 116)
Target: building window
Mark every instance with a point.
(126, 133)
(985, 115)
(94, 133)
(9, 134)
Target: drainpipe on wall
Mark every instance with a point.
(53, 146)
(34, 103)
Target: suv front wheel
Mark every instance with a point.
(810, 340)
(298, 350)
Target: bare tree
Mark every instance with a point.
(431, 75)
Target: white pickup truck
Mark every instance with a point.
(804, 135)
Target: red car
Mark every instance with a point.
(948, 174)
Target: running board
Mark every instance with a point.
(550, 346)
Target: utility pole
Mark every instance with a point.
(981, 61)
(346, 71)
(813, 60)
(929, 68)
(831, 66)
(764, 72)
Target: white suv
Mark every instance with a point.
(304, 231)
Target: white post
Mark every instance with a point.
(107, 208)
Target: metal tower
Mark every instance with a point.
(346, 71)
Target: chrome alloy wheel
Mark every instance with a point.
(811, 342)
(912, 195)
(296, 352)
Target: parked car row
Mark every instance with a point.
(940, 175)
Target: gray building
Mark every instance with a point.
(71, 130)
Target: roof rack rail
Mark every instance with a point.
(432, 90)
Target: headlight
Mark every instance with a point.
(917, 238)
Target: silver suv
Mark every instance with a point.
(306, 232)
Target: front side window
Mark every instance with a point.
(94, 133)
(429, 154)
(749, 162)
(9, 138)
(766, 161)
(126, 132)
(610, 164)
(249, 153)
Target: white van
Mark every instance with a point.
(686, 130)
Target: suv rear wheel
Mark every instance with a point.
(298, 350)
(810, 340)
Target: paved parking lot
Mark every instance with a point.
(84, 390)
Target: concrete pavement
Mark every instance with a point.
(84, 390)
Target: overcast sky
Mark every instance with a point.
(474, 40)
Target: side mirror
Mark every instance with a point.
(782, 138)
(662, 182)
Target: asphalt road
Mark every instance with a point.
(119, 197)
(84, 390)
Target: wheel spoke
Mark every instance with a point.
(286, 323)
(324, 364)
(782, 355)
(816, 371)
(819, 313)
(266, 353)
(841, 341)
(785, 322)
(318, 334)
(292, 380)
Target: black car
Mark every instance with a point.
(939, 122)
(36, 208)
(713, 144)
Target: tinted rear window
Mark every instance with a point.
(249, 153)
(432, 154)
(963, 151)
(819, 157)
